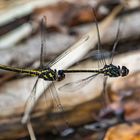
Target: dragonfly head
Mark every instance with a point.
(60, 75)
(124, 71)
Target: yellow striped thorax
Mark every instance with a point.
(52, 75)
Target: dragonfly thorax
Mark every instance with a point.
(48, 74)
(114, 71)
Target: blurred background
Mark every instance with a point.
(84, 111)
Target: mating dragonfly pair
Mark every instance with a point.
(48, 74)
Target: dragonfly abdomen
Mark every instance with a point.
(81, 71)
(32, 73)
(20, 70)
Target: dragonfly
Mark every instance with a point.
(108, 70)
(45, 73)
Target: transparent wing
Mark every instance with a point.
(30, 101)
(43, 45)
(106, 98)
(65, 129)
(73, 86)
(101, 53)
(53, 62)
(43, 41)
(33, 92)
(97, 54)
(55, 97)
(116, 42)
(102, 61)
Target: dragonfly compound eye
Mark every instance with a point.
(61, 75)
(124, 71)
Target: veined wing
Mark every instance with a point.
(73, 86)
(53, 62)
(65, 129)
(32, 98)
(97, 54)
(30, 101)
(55, 97)
(43, 45)
(43, 41)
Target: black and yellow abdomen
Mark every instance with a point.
(20, 70)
